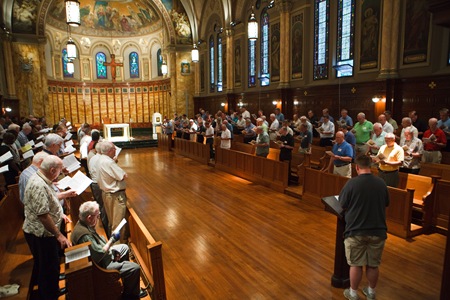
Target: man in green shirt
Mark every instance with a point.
(262, 142)
(362, 131)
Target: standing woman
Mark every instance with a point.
(13, 164)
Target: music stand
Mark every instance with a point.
(340, 278)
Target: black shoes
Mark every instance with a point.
(62, 291)
(62, 276)
(143, 293)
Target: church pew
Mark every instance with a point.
(268, 172)
(15, 257)
(399, 213)
(87, 280)
(148, 254)
(318, 184)
(193, 150)
(317, 158)
(441, 205)
(441, 170)
(423, 195)
(164, 142)
(274, 152)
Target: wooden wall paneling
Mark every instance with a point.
(132, 105)
(90, 106)
(145, 107)
(79, 96)
(110, 104)
(117, 105)
(60, 101)
(151, 102)
(73, 106)
(66, 103)
(140, 105)
(441, 204)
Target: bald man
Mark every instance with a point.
(342, 157)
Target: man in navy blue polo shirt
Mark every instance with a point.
(342, 157)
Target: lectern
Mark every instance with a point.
(340, 278)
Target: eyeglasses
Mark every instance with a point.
(97, 215)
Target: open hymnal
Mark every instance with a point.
(45, 130)
(431, 139)
(31, 143)
(371, 143)
(71, 163)
(79, 182)
(38, 145)
(69, 149)
(7, 156)
(68, 136)
(378, 158)
(330, 153)
(69, 143)
(319, 129)
(4, 169)
(28, 154)
(117, 151)
(77, 254)
(25, 148)
(41, 137)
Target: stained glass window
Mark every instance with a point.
(321, 30)
(65, 60)
(159, 62)
(100, 58)
(212, 82)
(219, 63)
(134, 65)
(251, 63)
(265, 48)
(345, 42)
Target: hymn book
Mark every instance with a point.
(77, 254)
(79, 182)
(71, 163)
(7, 156)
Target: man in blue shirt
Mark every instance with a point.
(346, 119)
(279, 115)
(342, 157)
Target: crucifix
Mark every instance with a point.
(113, 64)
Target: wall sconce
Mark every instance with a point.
(8, 109)
(222, 104)
(73, 13)
(70, 67)
(26, 63)
(240, 104)
(252, 27)
(164, 68)
(275, 102)
(195, 54)
(375, 99)
(295, 102)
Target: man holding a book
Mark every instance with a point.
(390, 158)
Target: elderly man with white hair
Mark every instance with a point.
(387, 127)
(22, 136)
(377, 138)
(413, 148)
(111, 180)
(391, 157)
(32, 169)
(53, 143)
(274, 127)
(407, 122)
(43, 217)
(434, 140)
(110, 257)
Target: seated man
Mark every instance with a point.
(115, 257)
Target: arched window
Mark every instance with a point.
(100, 58)
(219, 63)
(321, 28)
(134, 65)
(159, 62)
(211, 64)
(265, 75)
(65, 60)
(346, 37)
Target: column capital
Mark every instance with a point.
(284, 6)
(229, 32)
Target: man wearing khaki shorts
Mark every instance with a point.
(364, 199)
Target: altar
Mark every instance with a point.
(123, 128)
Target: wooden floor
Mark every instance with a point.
(226, 238)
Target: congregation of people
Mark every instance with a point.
(392, 148)
(47, 206)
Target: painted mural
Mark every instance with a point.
(180, 23)
(102, 18)
(370, 29)
(417, 28)
(297, 46)
(275, 52)
(24, 16)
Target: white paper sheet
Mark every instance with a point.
(28, 154)
(4, 169)
(7, 156)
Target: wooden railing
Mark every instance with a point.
(318, 184)
(164, 142)
(441, 204)
(196, 151)
(148, 254)
(267, 172)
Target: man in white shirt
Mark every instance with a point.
(326, 132)
(111, 180)
(407, 122)
(274, 127)
(225, 138)
(245, 113)
(193, 130)
(387, 127)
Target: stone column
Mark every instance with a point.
(284, 6)
(9, 68)
(230, 60)
(389, 39)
